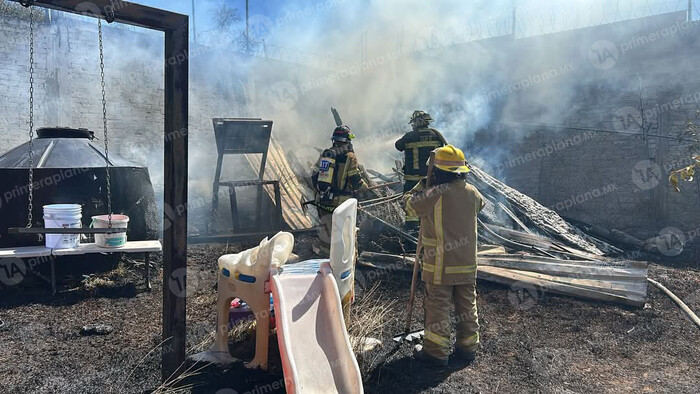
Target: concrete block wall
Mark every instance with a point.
(617, 180)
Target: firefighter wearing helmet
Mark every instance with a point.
(337, 177)
(417, 145)
(448, 211)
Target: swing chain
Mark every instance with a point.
(31, 117)
(104, 122)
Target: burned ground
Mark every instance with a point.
(541, 344)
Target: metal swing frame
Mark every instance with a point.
(176, 65)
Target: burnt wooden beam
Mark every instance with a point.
(176, 28)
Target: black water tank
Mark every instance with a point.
(69, 168)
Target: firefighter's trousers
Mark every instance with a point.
(438, 324)
(412, 221)
(325, 226)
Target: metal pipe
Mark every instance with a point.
(382, 201)
(247, 35)
(194, 27)
(690, 11)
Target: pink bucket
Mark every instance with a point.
(115, 240)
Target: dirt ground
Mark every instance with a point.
(545, 343)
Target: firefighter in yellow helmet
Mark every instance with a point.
(417, 145)
(448, 211)
(336, 178)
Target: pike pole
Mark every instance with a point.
(419, 247)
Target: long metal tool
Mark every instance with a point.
(419, 247)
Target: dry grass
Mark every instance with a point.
(369, 317)
(174, 384)
(241, 331)
(94, 284)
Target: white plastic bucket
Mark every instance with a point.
(115, 240)
(62, 216)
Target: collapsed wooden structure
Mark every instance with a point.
(522, 243)
(292, 188)
(621, 281)
(624, 282)
(526, 245)
(548, 253)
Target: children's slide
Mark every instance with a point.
(308, 296)
(316, 353)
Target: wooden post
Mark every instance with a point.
(175, 198)
(259, 190)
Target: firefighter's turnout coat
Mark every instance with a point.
(448, 222)
(417, 145)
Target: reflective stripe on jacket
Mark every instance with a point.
(417, 146)
(448, 224)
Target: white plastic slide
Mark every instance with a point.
(314, 345)
(343, 238)
(316, 353)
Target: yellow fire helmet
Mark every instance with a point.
(451, 159)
